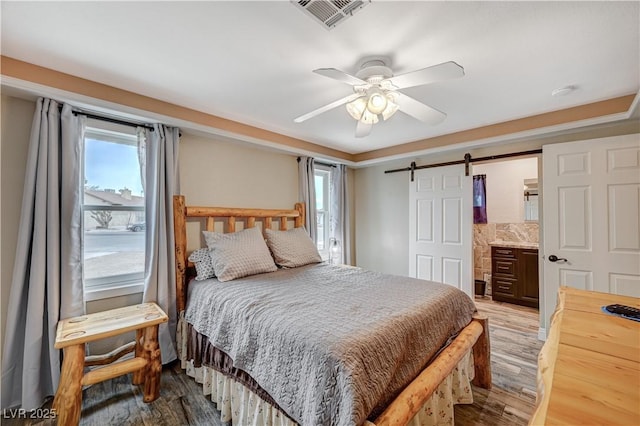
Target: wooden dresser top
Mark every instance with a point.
(589, 368)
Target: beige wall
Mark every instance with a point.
(228, 174)
(505, 182)
(222, 173)
(382, 219)
(17, 115)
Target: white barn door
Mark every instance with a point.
(591, 216)
(441, 226)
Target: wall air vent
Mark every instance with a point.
(330, 12)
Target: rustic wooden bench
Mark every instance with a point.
(72, 335)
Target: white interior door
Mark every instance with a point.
(591, 216)
(441, 225)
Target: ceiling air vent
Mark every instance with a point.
(330, 12)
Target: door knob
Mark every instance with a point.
(554, 258)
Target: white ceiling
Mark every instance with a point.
(252, 62)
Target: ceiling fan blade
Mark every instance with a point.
(363, 129)
(325, 108)
(440, 72)
(418, 110)
(340, 76)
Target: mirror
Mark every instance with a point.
(531, 200)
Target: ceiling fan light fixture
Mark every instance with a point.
(356, 108)
(391, 109)
(367, 109)
(375, 92)
(377, 102)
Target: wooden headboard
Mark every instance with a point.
(182, 212)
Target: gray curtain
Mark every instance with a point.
(307, 194)
(142, 154)
(161, 183)
(47, 274)
(339, 213)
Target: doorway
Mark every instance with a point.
(506, 233)
(510, 224)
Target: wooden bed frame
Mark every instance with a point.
(412, 398)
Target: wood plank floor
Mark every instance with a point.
(514, 358)
(514, 351)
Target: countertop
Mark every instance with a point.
(514, 244)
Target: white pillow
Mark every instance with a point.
(292, 248)
(239, 254)
(204, 265)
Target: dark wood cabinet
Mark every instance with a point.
(514, 275)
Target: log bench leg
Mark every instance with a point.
(68, 399)
(138, 376)
(153, 369)
(482, 355)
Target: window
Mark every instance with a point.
(322, 185)
(113, 214)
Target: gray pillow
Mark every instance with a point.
(292, 248)
(203, 263)
(239, 254)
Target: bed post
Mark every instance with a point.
(180, 232)
(299, 221)
(482, 355)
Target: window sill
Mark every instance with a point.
(105, 292)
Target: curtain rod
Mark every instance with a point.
(320, 163)
(113, 120)
(467, 160)
(110, 119)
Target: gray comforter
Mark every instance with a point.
(332, 345)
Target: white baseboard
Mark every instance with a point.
(542, 334)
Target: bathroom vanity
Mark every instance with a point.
(514, 273)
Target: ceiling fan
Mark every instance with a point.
(376, 92)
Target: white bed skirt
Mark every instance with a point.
(240, 406)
